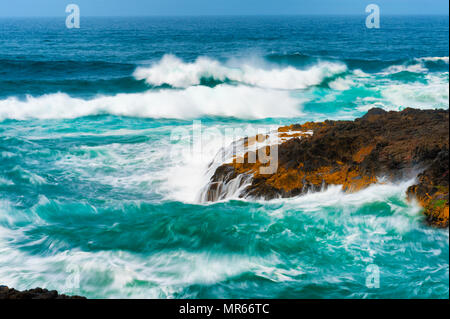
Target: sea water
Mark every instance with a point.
(93, 202)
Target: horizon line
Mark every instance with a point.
(240, 15)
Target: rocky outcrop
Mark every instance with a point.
(432, 190)
(37, 293)
(355, 154)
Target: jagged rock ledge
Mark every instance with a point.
(354, 154)
(37, 293)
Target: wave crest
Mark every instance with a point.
(194, 102)
(173, 71)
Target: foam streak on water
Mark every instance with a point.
(93, 187)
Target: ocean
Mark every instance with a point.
(94, 200)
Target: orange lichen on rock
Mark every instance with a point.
(295, 130)
(308, 126)
(287, 179)
(435, 206)
(351, 179)
(436, 211)
(249, 141)
(297, 134)
(290, 179)
(362, 153)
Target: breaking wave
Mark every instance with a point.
(177, 73)
(251, 88)
(193, 102)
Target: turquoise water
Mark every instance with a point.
(97, 198)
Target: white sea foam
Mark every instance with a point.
(169, 272)
(342, 84)
(259, 91)
(175, 169)
(318, 206)
(29, 176)
(173, 71)
(334, 196)
(395, 96)
(5, 181)
(432, 95)
(166, 272)
(434, 59)
(198, 166)
(417, 67)
(413, 68)
(223, 100)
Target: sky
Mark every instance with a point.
(46, 8)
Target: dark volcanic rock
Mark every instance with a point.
(37, 293)
(395, 145)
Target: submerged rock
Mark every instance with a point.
(37, 293)
(355, 154)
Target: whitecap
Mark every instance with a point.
(193, 102)
(177, 73)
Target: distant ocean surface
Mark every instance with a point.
(91, 203)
